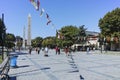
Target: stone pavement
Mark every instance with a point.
(61, 67)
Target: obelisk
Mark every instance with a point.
(29, 31)
(23, 38)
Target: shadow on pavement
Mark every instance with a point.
(45, 68)
(73, 71)
(13, 78)
(17, 53)
(23, 66)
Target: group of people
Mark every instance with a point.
(30, 50)
(67, 50)
(57, 50)
(46, 51)
(37, 49)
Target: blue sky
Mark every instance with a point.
(61, 12)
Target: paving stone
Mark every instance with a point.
(94, 66)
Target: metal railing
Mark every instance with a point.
(4, 69)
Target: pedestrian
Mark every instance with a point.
(46, 51)
(56, 49)
(30, 50)
(13, 49)
(66, 50)
(88, 50)
(70, 50)
(38, 50)
(19, 49)
(59, 50)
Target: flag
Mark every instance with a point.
(58, 34)
(47, 16)
(32, 0)
(42, 11)
(35, 4)
(49, 22)
(38, 4)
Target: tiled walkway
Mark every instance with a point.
(61, 67)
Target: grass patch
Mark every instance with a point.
(109, 52)
(113, 53)
(1, 59)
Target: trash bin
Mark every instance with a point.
(13, 61)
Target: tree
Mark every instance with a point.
(37, 42)
(110, 23)
(19, 41)
(69, 33)
(10, 39)
(110, 27)
(49, 41)
(81, 35)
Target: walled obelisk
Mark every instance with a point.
(29, 31)
(23, 38)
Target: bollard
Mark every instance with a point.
(13, 61)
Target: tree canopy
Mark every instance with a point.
(10, 39)
(110, 24)
(70, 35)
(37, 42)
(49, 41)
(19, 41)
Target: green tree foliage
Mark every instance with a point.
(37, 42)
(69, 32)
(49, 41)
(110, 23)
(81, 35)
(19, 41)
(71, 35)
(10, 39)
(82, 31)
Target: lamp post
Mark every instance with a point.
(101, 43)
(3, 36)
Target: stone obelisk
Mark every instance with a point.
(29, 31)
(23, 38)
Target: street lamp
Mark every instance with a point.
(3, 36)
(3, 41)
(101, 43)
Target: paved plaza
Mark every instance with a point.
(90, 66)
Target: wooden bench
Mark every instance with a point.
(4, 69)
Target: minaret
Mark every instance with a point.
(29, 31)
(23, 38)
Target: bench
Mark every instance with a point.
(4, 69)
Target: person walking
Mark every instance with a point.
(19, 49)
(38, 50)
(88, 49)
(66, 51)
(46, 51)
(30, 50)
(56, 49)
(59, 50)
